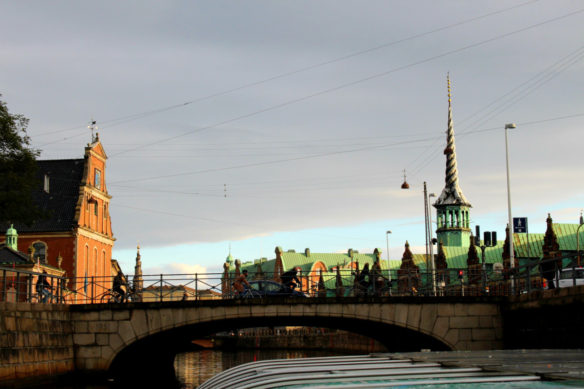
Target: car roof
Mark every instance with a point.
(270, 281)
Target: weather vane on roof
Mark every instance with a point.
(93, 127)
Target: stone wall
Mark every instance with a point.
(36, 342)
(545, 319)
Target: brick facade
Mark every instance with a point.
(78, 229)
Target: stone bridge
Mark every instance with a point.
(144, 337)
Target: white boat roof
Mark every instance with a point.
(360, 371)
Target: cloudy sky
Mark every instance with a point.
(256, 124)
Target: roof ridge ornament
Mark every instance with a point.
(93, 128)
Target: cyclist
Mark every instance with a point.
(290, 278)
(43, 287)
(117, 287)
(241, 283)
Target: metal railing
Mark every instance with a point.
(20, 285)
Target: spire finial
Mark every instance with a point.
(448, 82)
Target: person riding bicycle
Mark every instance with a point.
(43, 287)
(241, 283)
(119, 283)
(290, 278)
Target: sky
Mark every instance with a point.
(239, 126)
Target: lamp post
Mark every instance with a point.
(433, 262)
(511, 253)
(578, 238)
(387, 242)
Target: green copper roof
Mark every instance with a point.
(456, 257)
(11, 230)
(566, 234)
(330, 260)
(229, 259)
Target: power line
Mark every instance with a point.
(230, 222)
(254, 164)
(149, 210)
(272, 162)
(352, 83)
(510, 98)
(136, 116)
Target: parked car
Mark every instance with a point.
(567, 277)
(266, 288)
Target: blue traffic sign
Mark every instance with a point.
(519, 225)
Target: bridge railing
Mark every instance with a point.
(479, 279)
(21, 285)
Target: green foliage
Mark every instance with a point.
(17, 170)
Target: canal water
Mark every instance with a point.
(195, 367)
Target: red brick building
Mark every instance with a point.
(77, 235)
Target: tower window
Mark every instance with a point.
(97, 179)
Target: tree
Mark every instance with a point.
(17, 170)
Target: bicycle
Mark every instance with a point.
(112, 296)
(48, 299)
(247, 293)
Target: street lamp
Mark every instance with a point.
(433, 261)
(511, 253)
(578, 238)
(387, 242)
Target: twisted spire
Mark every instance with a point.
(451, 194)
(450, 150)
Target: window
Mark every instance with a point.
(40, 252)
(97, 179)
(46, 184)
(95, 209)
(271, 288)
(95, 262)
(103, 273)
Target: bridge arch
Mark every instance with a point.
(115, 336)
